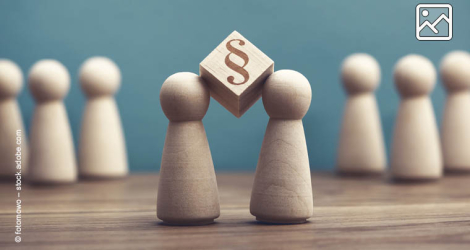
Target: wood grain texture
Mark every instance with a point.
(187, 191)
(348, 214)
(235, 72)
(282, 188)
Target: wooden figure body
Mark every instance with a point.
(282, 189)
(455, 130)
(13, 140)
(361, 148)
(52, 154)
(102, 149)
(187, 189)
(416, 150)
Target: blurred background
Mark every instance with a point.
(150, 40)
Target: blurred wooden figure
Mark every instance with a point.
(282, 189)
(52, 154)
(416, 151)
(102, 149)
(187, 190)
(13, 141)
(361, 147)
(455, 130)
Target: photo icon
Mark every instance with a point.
(434, 22)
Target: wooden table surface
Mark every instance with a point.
(349, 213)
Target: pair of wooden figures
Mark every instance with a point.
(282, 190)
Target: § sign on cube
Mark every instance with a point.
(235, 72)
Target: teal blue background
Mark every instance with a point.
(151, 40)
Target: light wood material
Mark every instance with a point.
(416, 150)
(282, 190)
(13, 153)
(52, 159)
(102, 149)
(361, 147)
(349, 213)
(235, 72)
(187, 192)
(455, 129)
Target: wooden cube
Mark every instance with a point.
(235, 73)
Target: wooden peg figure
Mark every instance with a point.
(416, 149)
(455, 129)
(282, 189)
(361, 148)
(52, 154)
(13, 141)
(102, 149)
(187, 190)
